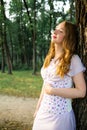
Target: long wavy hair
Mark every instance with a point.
(69, 44)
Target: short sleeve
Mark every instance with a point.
(76, 66)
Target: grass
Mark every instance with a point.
(13, 125)
(21, 83)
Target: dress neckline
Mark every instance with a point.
(55, 61)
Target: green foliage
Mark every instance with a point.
(21, 83)
(21, 25)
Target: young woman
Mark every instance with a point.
(62, 73)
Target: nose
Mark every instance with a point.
(55, 31)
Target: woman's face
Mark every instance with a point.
(59, 33)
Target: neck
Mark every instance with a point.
(58, 51)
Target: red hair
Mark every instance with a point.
(69, 42)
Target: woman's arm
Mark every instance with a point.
(78, 92)
(39, 101)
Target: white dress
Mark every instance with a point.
(56, 113)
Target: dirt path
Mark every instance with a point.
(17, 109)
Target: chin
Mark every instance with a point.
(58, 43)
(54, 40)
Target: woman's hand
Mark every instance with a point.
(48, 89)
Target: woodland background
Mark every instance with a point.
(25, 36)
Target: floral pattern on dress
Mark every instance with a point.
(51, 103)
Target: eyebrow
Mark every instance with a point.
(60, 28)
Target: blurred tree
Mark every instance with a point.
(33, 30)
(29, 29)
(4, 46)
(80, 105)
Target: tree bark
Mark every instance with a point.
(2, 66)
(5, 40)
(80, 105)
(33, 31)
(3, 60)
(34, 38)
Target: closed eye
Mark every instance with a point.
(59, 30)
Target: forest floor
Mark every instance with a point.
(16, 113)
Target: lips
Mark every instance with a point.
(54, 37)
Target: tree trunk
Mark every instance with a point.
(5, 40)
(3, 60)
(34, 38)
(33, 32)
(10, 37)
(8, 57)
(2, 49)
(80, 105)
